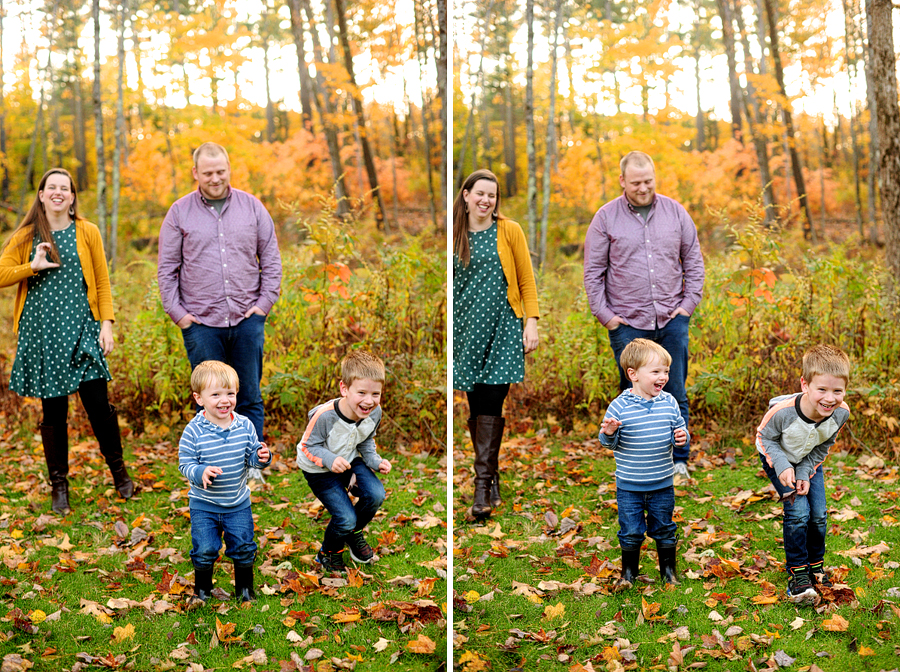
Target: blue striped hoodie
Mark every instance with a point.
(233, 449)
(643, 444)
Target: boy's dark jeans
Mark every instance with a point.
(657, 523)
(207, 530)
(805, 519)
(331, 490)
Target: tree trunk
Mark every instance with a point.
(368, 157)
(700, 142)
(426, 130)
(509, 138)
(851, 68)
(270, 108)
(4, 162)
(873, 130)
(38, 127)
(725, 12)
(325, 107)
(531, 198)
(479, 86)
(551, 135)
(302, 67)
(754, 118)
(111, 254)
(443, 50)
(808, 230)
(884, 73)
(78, 133)
(98, 128)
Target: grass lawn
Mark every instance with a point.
(533, 586)
(106, 586)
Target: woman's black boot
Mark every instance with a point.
(106, 430)
(56, 452)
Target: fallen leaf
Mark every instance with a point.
(836, 623)
(551, 612)
(381, 644)
(422, 645)
(120, 634)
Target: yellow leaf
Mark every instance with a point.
(16, 534)
(346, 616)
(289, 622)
(472, 596)
(551, 612)
(37, 616)
(421, 645)
(836, 623)
(137, 521)
(121, 634)
(866, 651)
(103, 618)
(531, 597)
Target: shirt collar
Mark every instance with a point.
(211, 425)
(206, 201)
(632, 208)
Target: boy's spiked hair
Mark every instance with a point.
(826, 360)
(211, 372)
(637, 353)
(361, 365)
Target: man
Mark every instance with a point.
(643, 274)
(220, 274)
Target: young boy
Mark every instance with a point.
(793, 441)
(642, 425)
(216, 450)
(339, 443)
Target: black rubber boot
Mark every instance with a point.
(667, 565)
(202, 587)
(631, 568)
(56, 453)
(243, 583)
(488, 436)
(106, 430)
(495, 498)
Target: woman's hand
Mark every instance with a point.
(107, 342)
(40, 261)
(530, 335)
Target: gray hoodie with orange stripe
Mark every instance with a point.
(330, 434)
(788, 439)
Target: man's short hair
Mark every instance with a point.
(361, 365)
(826, 360)
(210, 373)
(633, 159)
(640, 351)
(210, 149)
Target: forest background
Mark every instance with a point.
(743, 105)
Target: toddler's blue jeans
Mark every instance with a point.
(331, 490)
(647, 513)
(805, 519)
(208, 529)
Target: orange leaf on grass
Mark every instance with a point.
(347, 616)
(836, 623)
(421, 645)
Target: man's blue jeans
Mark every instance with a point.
(331, 490)
(805, 519)
(241, 347)
(208, 529)
(674, 338)
(659, 506)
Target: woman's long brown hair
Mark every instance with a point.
(461, 217)
(36, 218)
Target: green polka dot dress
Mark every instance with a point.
(59, 339)
(487, 335)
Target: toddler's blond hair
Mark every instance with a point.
(210, 372)
(640, 351)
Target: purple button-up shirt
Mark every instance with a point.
(642, 270)
(218, 266)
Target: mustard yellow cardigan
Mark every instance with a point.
(16, 268)
(516, 262)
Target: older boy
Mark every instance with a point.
(642, 425)
(793, 440)
(216, 449)
(339, 443)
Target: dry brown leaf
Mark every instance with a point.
(421, 645)
(836, 623)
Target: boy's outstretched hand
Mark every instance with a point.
(384, 467)
(209, 474)
(340, 465)
(610, 426)
(263, 452)
(787, 478)
(802, 487)
(680, 437)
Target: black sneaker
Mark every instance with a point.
(360, 550)
(818, 576)
(331, 563)
(800, 589)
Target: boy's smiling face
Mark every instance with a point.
(361, 398)
(218, 401)
(649, 379)
(821, 395)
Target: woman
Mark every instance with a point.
(63, 317)
(493, 289)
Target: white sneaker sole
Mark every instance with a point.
(808, 597)
(363, 562)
